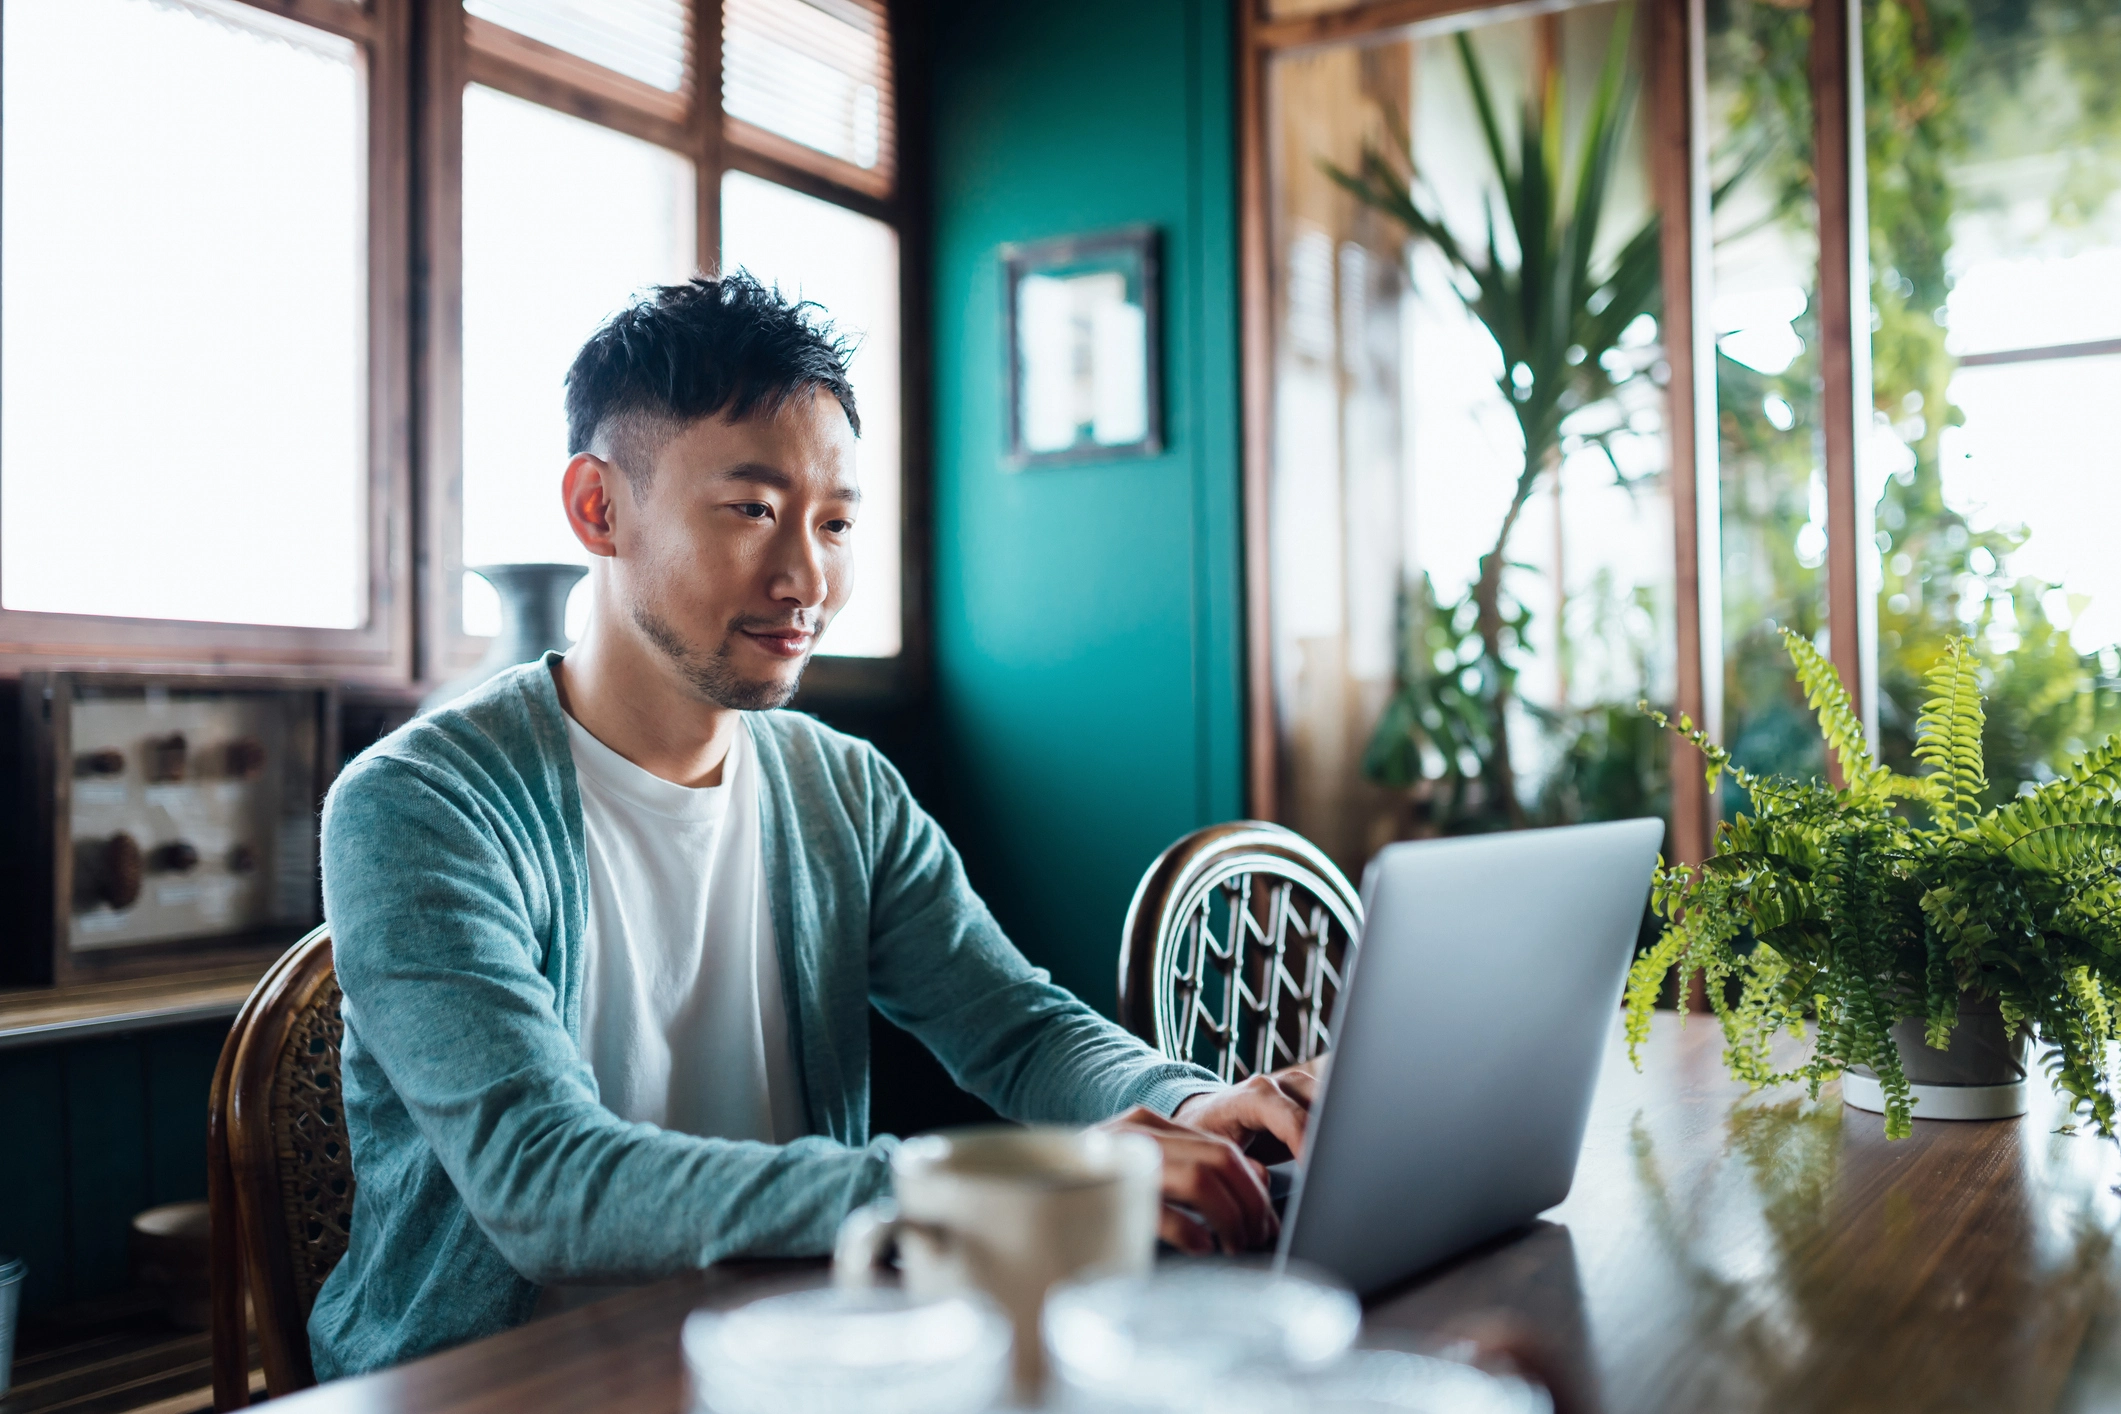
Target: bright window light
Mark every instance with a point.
(183, 351)
(564, 222)
(642, 39)
(847, 263)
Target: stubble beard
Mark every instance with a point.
(711, 674)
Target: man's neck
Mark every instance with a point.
(634, 705)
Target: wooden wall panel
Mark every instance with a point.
(94, 1132)
(106, 1159)
(32, 1174)
(178, 1066)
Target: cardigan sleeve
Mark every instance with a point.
(436, 952)
(941, 967)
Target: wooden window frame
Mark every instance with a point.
(382, 649)
(1677, 91)
(460, 49)
(418, 56)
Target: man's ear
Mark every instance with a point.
(590, 491)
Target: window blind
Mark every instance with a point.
(642, 39)
(817, 72)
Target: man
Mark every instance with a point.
(609, 927)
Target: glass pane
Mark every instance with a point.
(1409, 447)
(538, 279)
(817, 72)
(1771, 459)
(642, 39)
(1995, 202)
(183, 272)
(849, 264)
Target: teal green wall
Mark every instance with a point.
(1087, 619)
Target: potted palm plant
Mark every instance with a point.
(1920, 936)
(1559, 309)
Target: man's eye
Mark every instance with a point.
(839, 527)
(757, 510)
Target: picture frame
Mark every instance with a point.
(1082, 322)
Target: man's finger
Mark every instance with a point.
(1270, 1107)
(1207, 1173)
(1299, 1084)
(1193, 1177)
(1185, 1232)
(1243, 1210)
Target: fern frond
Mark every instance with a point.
(2098, 1018)
(2097, 771)
(1940, 992)
(1948, 736)
(1785, 794)
(1646, 984)
(2056, 836)
(2084, 792)
(1824, 693)
(1894, 786)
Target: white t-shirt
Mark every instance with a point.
(683, 1021)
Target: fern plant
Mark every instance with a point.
(1896, 897)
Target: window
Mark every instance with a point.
(1994, 173)
(1888, 421)
(642, 39)
(848, 263)
(594, 164)
(259, 407)
(186, 371)
(1764, 317)
(812, 76)
(1416, 692)
(529, 174)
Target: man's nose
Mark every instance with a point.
(800, 576)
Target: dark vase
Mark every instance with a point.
(533, 621)
(1981, 1075)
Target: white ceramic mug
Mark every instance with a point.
(1010, 1212)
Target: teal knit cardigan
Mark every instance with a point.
(455, 884)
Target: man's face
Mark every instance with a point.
(738, 551)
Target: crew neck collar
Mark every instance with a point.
(608, 773)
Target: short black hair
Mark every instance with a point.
(679, 353)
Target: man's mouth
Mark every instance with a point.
(782, 642)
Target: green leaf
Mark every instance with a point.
(1839, 723)
(1948, 736)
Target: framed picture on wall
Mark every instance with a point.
(1083, 325)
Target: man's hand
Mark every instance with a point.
(1277, 1104)
(1205, 1169)
(1206, 1174)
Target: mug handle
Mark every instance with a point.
(867, 1237)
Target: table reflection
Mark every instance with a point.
(1810, 1263)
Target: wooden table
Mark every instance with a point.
(1717, 1253)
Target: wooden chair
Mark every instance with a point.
(1235, 947)
(279, 1171)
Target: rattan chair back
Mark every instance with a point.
(280, 1171)
(1235, 948)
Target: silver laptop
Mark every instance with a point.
(1466, 1044)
